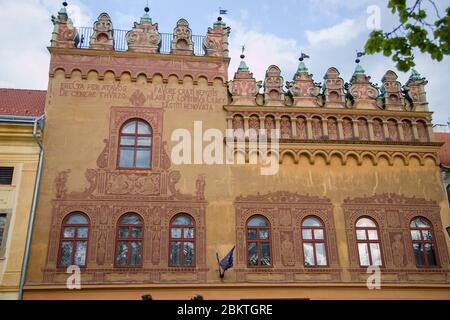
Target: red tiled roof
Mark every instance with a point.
(444, 153)
(19, 102)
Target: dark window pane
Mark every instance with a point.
(321, 255)
(127, 141)
(363, 251)
(175, 252)
(126, 157)
(318, 234)
(265, 254)
(122, 253)
(143, 158)
(182, 220)
(419, 223)
(189, 233)
(417, 248)
(312, 222)
(431, 257)
(251, 233)
(365, 222)
(77, 219)
(189, 257)
(136, 232)
(130, 219)
(307, 234)
(130, 127)
(426, 235)
(66, 254)
(80, 253)
(69, 232)
(6, 175)
(144, 128)
(361, 234)
(415, 234)
(258, 222)
(176, 233)
(123, 232)
(373, 234)
(136, 253)
(2, 220)
(375, 252)
(252, 255)
(144, 141)
(263, 234)
(82, 232)
(308, 254)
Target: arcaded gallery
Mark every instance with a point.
(357, 182)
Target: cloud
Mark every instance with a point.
(27, 30)
(337, 35)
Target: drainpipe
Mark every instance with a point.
(37, 122)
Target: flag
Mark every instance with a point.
(223, 11)
(227, 262)
(360, 54)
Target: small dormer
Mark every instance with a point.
(103, 35)
(333, 89)
(362, 94)
(244, 88)
(273, 87)
(391, 92)
(415, 89)
(144, 37)
(303, 89)
(182, 39)
(216, 41)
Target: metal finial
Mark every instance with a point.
(242, 54)
(359, 54)
(64, 4)
(146, 9)
(303, 56)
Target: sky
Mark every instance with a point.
(273, 32)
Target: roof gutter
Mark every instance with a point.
(37, 122)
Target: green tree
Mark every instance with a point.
(414, 31)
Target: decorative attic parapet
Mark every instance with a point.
(333, 89)
(391, 94)
(144, 37)
(415, 89)
(362, 94)
(182, 39)
(64, 34)
(304, 91)
(273, 87)
(216, 40)
(244, 88)
(102, 38)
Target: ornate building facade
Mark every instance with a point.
(358, 183)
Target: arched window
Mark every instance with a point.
(258, 242)
(129, 241)
(369, 244)
(314, 244)
(423, 242)
(182, 241)
(135, 148)
(74, 240)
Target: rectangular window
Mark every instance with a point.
(6, 175)
(2, 228)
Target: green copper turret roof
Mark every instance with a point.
(359, 70)
(302, 68)
(415, 75)
(243, 66)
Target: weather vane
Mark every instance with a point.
(303, 56)
(222, 11)
(359, 54)
(242, 53)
